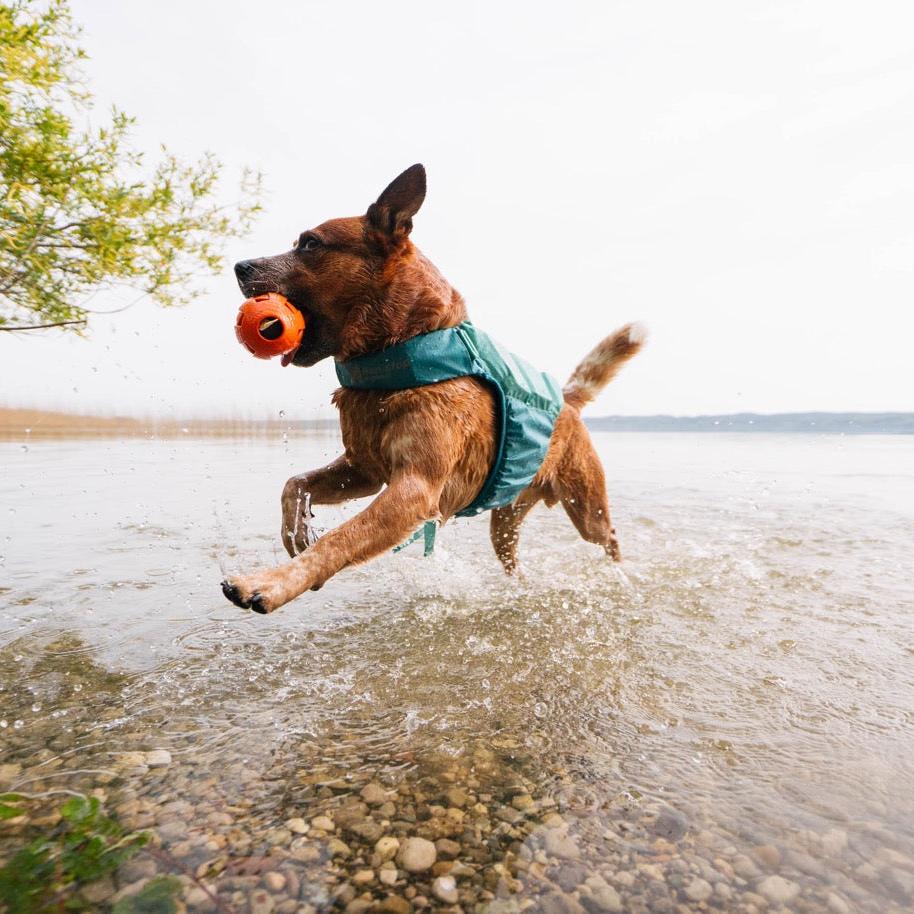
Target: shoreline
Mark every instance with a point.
(17, 423)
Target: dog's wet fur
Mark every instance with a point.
(362, 285)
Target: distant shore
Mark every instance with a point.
(35, 423)
(820, 423)
(16, 423)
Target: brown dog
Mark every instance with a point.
(362, 286)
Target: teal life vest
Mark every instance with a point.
(528, 400)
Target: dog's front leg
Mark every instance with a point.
(337, 482)
(408, 500)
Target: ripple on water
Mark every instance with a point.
(744, 683)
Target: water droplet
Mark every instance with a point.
(282, 414)
(18, 724)
(77, 687)
(36, 709)
(539, 709)
(3, 724)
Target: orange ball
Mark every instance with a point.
(267, 325)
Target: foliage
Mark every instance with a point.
(156, 897)
(49, 873)
(79, 209)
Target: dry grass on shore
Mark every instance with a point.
(17, 424)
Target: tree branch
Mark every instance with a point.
(40, 326)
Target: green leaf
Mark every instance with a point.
(79, 810)
(158, 896)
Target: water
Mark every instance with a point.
(737, 704)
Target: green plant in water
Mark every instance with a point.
(50, 873)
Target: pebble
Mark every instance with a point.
(509, 814)
(602, 895)
(652, 871)
(324, 823)
(834, 842)
(447, 849)
(199, 900)
(745, 867)
(158, 758)
(132, 888)
(559, 903)
(277, 836)
(388, 876)
(559, 844)
(394, 904)
(97, 892)
(363, 877)
(9, 772)
(445, 889)
(386, 848)
(837, 904)
(298, 826)
(273, 881)
(172, 830)
(778, 890)
(374, 794)
(141, 867)
(260, 902)
(523, 802)
(417, 855)
(368, 829)
(456, 797)
(338, 848)
(699, 889)
(767, 855)
(358, 906)
(670, 824)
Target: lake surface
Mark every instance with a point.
(726, 724)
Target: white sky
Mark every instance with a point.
(738, 175)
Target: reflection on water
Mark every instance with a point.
(726, 725)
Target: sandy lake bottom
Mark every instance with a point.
(727, 724)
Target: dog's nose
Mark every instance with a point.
(244, 269)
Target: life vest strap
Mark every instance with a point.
(428, 531)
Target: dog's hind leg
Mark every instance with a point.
(504, 528)
(581, 487)
(337, 482)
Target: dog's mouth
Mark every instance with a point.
(314, 344)
(307, 339)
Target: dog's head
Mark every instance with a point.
(356, 280)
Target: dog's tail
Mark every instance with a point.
(600, 366)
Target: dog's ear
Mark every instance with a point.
(392, 213)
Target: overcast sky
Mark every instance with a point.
(739, 175)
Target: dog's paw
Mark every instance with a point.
(248, 595)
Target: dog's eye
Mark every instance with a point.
(308, 243)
